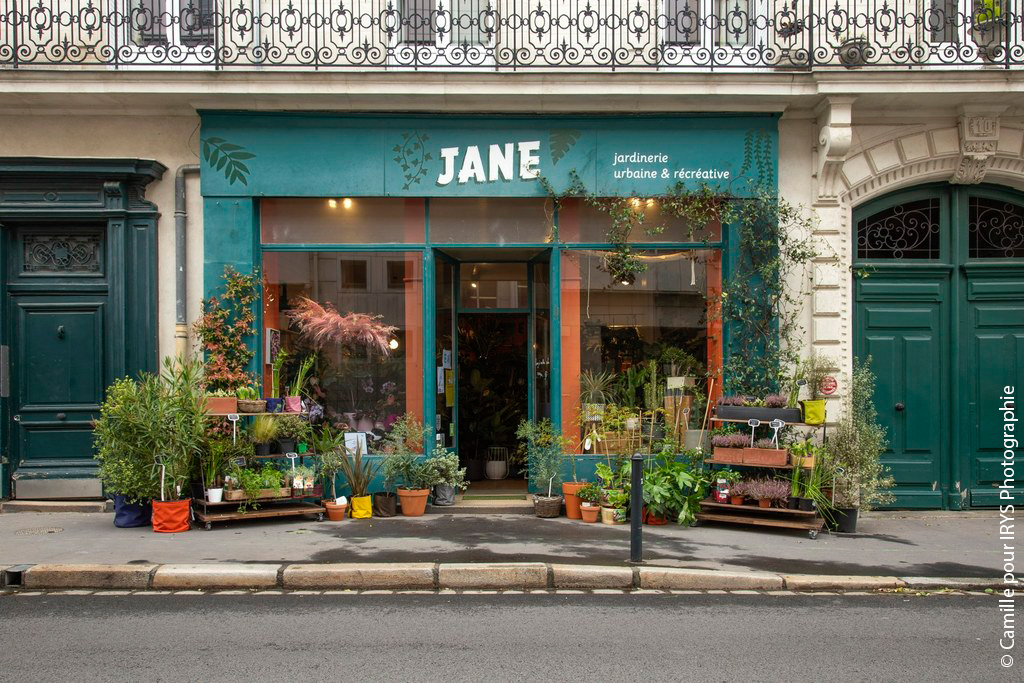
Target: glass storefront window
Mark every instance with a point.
(490, 221)
(579, 221)
(343, 220)
(493, 285)
(357, 387)
(608, 327)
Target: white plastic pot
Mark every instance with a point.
(214, 495)
(496, 469)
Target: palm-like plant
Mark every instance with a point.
(358, 473)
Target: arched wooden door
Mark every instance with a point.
(939, 292)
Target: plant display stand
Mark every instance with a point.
(710, 511)
(306, 503)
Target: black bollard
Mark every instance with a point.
(636, 507)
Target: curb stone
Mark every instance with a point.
(359, 576)
(810, 582)
(707, 579)
(88, 576)
(953, 583)
(224, 575)
(493, 575)
(582, 576)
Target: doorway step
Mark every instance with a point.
(504, 497)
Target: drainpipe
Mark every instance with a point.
(180, 216)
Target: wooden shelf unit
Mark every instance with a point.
(755, 515)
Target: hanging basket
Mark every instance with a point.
(547, 506)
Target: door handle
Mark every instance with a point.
(17, 418)
(62, 416)
(899, 407)
(60, 331)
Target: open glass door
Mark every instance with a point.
(445, 351)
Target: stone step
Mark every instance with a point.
(56, 506)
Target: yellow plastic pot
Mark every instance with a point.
(814, 411)
(362, 507)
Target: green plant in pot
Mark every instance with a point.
(815, 369)
(616, 510)
(293, 401)
(449, 477)
(590, 502)
(213, 462)
(855, 446)
(125, 463)
(596, 391)
(544, 446)
(334, 457)
(263, 431)
(292, 429)
(402, 464)
(178, 434)
(275, 404)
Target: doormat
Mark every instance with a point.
(481, 497)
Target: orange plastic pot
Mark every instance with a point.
(171, 516)
(653, 520)
(335, 512)
(413, 501)
(572, 501)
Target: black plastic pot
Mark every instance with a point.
(385, 504)
(129, 515)
(758, 413)
(261, 448)
(444, 495)
(845, 520)
(807, 504)
(793, 503)
(286, 445)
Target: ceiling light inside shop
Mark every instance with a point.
(332, 203)
(347, 203)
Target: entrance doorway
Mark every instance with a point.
(493, 353)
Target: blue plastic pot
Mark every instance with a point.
(128, 515)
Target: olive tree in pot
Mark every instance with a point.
(178, 431)
(449, 476)
(855, 445)
(544, 447)
(125, 465)
(330, 446)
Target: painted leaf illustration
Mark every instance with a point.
(561, 141)
(227, 157)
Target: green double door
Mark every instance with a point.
(939, 290)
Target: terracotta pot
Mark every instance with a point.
(572, 501)
(764, 502)
(653, 520)
(221, 404)
(413, 501)
(736, 500)
(765, 456)
(590, 513)
(335, 512)
(171, 516)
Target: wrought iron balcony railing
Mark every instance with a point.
(506, 35)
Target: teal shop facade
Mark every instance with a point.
(445, 227)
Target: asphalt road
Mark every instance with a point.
(500, 638)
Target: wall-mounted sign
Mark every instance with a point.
(828, 385)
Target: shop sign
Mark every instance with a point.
(253, 154)
(828, 385)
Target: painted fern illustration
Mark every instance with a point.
(227, 157)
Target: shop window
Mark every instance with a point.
(359, 388)
(906, 231)
(493, 285)
(490, 221)
(353, 273)
(995, 228)
(579, 221)
(343, 220)
(619, 330)
(185, 22)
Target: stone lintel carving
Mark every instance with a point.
(834, 140)
(979, 140)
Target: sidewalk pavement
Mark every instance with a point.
(935, 544)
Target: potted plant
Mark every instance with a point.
(178, 432)
(544, 447)
(221, 402)
(402, 465)
(449, 476)
(815, 369)
(614, 511)
(120, 436)
(666, 485)
(496, 464)
(793, 501)
(291, 429)
(738, 492)
(251, 484)
(330, 446)
(771, 407)
(725, 481)
(854, 448)
(275, 404)
(249, 400)
(227, 322)
(359, 472)
(590, 505)
(293, 401)
(595, 393)
(728, 447)
(212, 461)
(765, 452)
(570, 490)
(263, 431)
